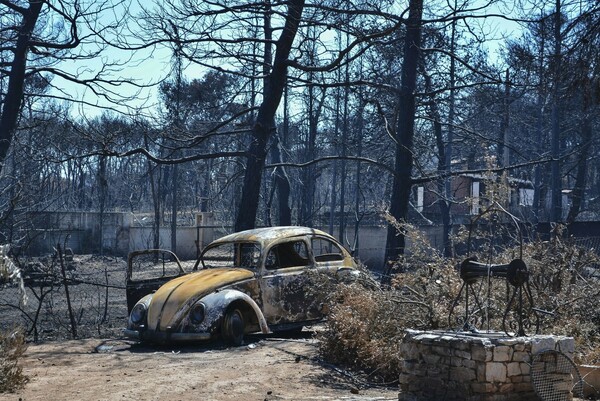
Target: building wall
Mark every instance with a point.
(80, 231)
(190, 240)
(122, 234)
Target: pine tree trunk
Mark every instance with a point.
(16, 81)
(405, 132)
(264, 125)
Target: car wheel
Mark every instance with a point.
(232, 328)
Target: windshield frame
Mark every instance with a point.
(238, 251)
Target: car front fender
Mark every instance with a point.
(216, 304)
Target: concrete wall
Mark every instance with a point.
(79, 231)
(371, 244)
(190, 240)
(122, 233)
(371, 241)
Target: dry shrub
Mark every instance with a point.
(366, 322)
(425, 283)
(363, 331)
(426, 294)
(565, 280)
(12, 348)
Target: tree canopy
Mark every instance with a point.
(290, 112)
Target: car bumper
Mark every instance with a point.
(164, 336)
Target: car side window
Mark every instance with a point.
(326, 250)
(287, 254)
(232, 254)
(248, 255)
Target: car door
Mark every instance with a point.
(147, 270)
(284, 283)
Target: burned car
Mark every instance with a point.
(251, 281)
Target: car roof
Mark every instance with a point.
(267, 235)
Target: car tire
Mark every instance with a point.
(232, 327)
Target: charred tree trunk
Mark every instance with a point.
(282, 181)
(282, 184)
(442, 167)
(556, 213)
(67, 295)
(405, 132)
(16, 78)
(102, 195)
(174, 207)
(446, 204)
(264, 125)
(504, 153)
(586, 143)
(537, 180)
(155, 201)
(444, 161)
(310, 174)
(357, 188)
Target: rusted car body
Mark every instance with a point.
(252, 281)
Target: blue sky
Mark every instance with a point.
(147, 67)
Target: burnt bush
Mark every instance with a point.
(12, 348)
(366, 322)
(93, 307)
(565, 280)
(363, 330)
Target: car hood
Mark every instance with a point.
(169, 299)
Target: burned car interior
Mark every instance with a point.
(243, 255)
(288, 254)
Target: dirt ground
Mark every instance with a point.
(104, 366)
(114, 369)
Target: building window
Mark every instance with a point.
(525, 197)
(475, 197)
(420, 196)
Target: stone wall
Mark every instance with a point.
(459, 366)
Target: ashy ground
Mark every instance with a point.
(111, 368)
(264, 369)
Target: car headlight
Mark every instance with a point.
(138, 314)
(197, 313)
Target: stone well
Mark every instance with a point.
(441, 365)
